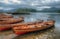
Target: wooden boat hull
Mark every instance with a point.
(22, 29)
(5, 16)
(10, 20)
(5, 27)
(18, 32)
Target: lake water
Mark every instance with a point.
(42, 16)
(52, 33)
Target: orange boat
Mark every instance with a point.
(5, 16)
(30, 27)
(5, 27)
(8, 26)
(11, 20)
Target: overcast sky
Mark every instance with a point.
(39, 4)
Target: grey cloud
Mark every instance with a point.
(27, 3)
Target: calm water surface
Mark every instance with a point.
(52, 33)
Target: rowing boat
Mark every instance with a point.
(11, 20)
(5, 16)
(30, 27)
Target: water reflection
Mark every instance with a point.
(37, 16)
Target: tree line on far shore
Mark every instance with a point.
(25, 10)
